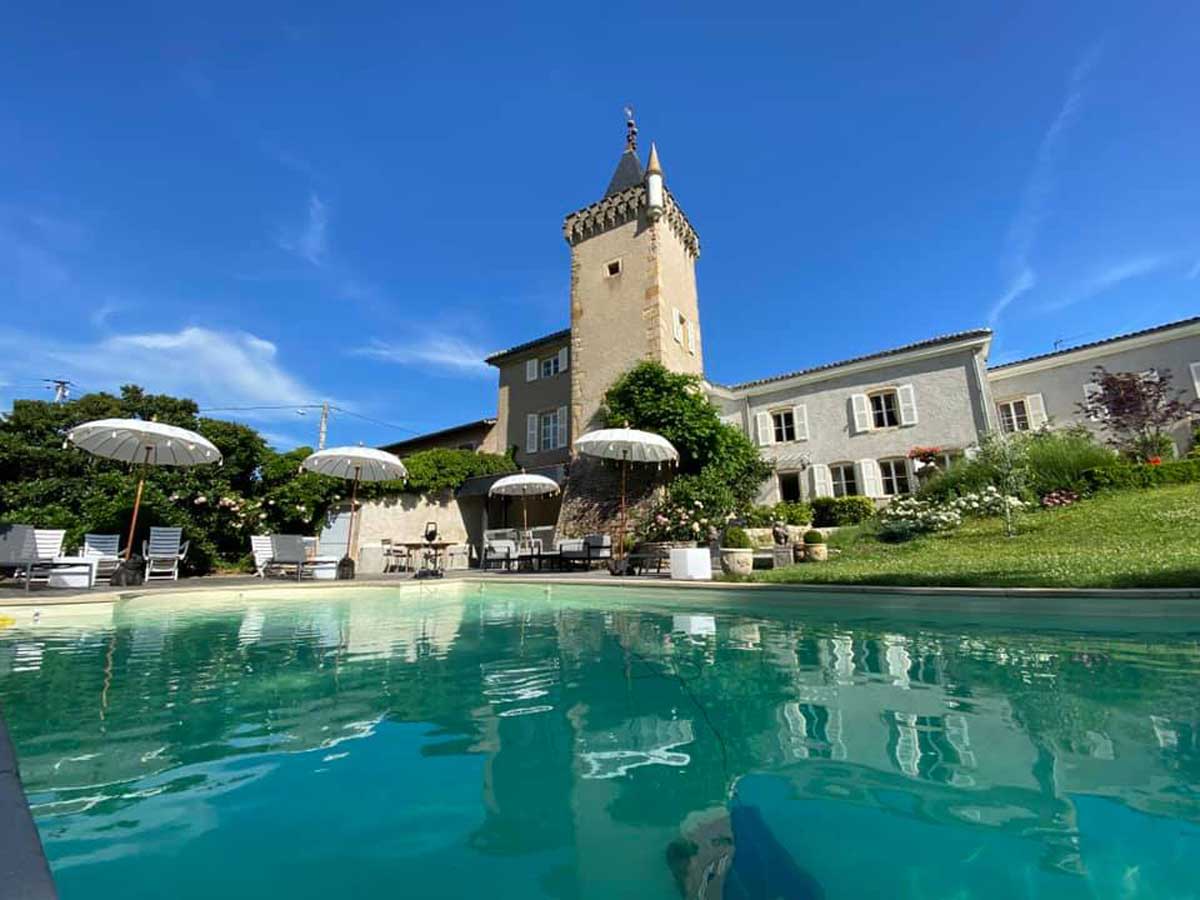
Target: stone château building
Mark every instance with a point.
(833, 429)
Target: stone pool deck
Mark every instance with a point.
(17, 597)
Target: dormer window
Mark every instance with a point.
(612, 268)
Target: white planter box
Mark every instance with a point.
(692, 564)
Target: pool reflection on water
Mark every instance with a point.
(589, 742)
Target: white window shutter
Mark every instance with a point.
(820, 480)
(562, 427)
(1035, 409)
(861, 409)
(691, 337)
(766, 429)
(564, 357)
(800, 417)
(908, 404)
(531, 433)
(1195, 368)
(870, 479)
(531, 370)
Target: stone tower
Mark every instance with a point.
(633, 284)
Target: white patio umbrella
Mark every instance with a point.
(627, 445)
(359, 464)
(145, 444)
(523, 486)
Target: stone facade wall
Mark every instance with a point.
(518, 398)
(676, 290)
(608, 315)
(592, 496)
(403, 518)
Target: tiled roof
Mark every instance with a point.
(882, 354)
(528, 345)
(453, 429)
(1194, 320)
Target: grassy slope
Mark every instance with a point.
(1148, 538)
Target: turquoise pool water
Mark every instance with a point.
(588, 742)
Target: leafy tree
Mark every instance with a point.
(718, 465)
(1136, 409)
(255, 490)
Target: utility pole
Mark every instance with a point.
(324, 428)
(62, 389)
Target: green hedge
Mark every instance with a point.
(1124, 476)
(828, 511)
(790, 513)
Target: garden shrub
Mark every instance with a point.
(814, 537)
(897, 531)
(1058, 459)
(790, 513)
(1049, 461)
(853, 510)
(736, 539)
(1124, 476)
(831, 511)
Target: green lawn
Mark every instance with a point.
(1145, 538)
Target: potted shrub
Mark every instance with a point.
(814, 546)
(737, 555)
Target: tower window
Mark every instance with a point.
(612, 269)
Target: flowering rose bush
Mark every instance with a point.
(681, 522)
(1059, 498)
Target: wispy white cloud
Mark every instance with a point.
(448, 354)
(310, 240)
(1194, 272)
(216, 368)
(1107, 278)
(1039, 189)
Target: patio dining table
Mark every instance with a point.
(438, 548)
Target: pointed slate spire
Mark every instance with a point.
(629, 170)
(628, 174)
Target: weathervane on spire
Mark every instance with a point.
(630, 130)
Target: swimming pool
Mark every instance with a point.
(581, 742)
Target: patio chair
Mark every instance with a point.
(263, 552)
(289, 552)
(48, 543)
(499, 552)
(163, 552)
(105, 549)
(396, 557)
(585, 550)
(18, 551)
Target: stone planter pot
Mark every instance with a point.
(737, 561)
(816, 552)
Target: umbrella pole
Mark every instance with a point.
(624, 470)
(137, 503)
(525, 512)
(353, 512)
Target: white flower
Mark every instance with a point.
(200, 501)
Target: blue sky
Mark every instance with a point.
(262, 205)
